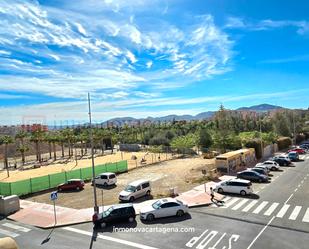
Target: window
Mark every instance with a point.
(104, 177)
(145, 185)
(112, 176)
(138, 188)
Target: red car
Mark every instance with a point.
(298, 150)
(72, 184)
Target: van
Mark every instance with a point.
(106, 179)
(135, 190)
(236, 186)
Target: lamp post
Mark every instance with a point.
(96, 208)
(261, 136)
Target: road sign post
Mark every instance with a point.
(54, 197)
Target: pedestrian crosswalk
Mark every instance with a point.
(12, 230)
(266, 208)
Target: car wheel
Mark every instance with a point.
(220, 190)
(243, 193)
(131, 199)
(77, 188)
(180, 213)
(59, 189)
(131, 219)
(148, 193)
(273, 168)
(260, 180)
(150, 217)
(103, 225)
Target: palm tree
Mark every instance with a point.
(50, 138)
(37, 136)
(68, 136)
(21, 135)
(6, 140)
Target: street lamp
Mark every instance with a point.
(96, 208)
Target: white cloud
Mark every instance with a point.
(81, 29)
(131, 57)
(149, 64)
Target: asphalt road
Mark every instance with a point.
(276, 216)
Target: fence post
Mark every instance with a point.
(49, 181)
(65, 176)
(80, 173)
(10, 188)
(31, 185)
(105, 167)
(116, 167)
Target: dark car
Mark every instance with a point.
(72, 184)
(116, 213)
(304, 146)
(293, 156)
(252, 176)
(259, 170)
(282, 161)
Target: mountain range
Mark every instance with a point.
(203, 115)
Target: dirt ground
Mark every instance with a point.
(181, 173)
(63, 165)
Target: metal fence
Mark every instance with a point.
(36, 184)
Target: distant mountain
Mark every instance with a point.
(200, 116)
(260, 108)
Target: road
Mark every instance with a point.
(277, 216)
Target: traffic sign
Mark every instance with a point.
(54, 196)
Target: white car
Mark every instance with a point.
(134, 190)
(271, 165)
(163, 208)
(106, 179)
(236, 186)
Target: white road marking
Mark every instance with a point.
(8, 233)
(249, 206)
(19, 228)
(288, 199)
(302, 182)
(120, 241)
(298, 185)
(226, 198)
(295, 213)
(260, 232)
(260, 207)
(306, 216)
(283, 210)
(230, 203)
(240, 204)
(271, 209)
(295, 189)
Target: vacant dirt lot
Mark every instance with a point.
(182, 173)
(63, 165)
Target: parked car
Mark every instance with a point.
(282, 160)
(116, 213)
(72, 184)
(236, 186)
(261, 171)
(135, 190)
(272, 165)
(262, 167)
(106, 179)
(163, 208)
(304, 146)
(293, 155)
(252, 176)
(298, 150)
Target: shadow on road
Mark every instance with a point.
(93, 238)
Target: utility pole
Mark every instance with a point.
(96, 208)
(261, 135)
(294, 130)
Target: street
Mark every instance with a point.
(276, 216)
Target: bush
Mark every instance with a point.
(284, 142)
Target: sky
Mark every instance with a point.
(149, 58)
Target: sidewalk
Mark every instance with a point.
(42, 215)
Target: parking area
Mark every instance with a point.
(184, 174)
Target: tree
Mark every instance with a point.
(204, 138)
(183, 143)
(281, 125)
(6, 140)
(22, 148)
(37, 137)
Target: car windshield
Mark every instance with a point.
(108, 211)
(156, 205)
(130, 188)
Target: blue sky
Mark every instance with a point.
(149, 58)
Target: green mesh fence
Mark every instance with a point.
(21, 187)
(39, 183)
(73, 174)
(5, 188)
(56, 179)
(46, 182)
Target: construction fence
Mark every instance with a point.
(36, 184)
